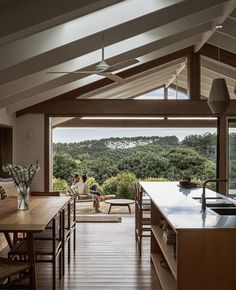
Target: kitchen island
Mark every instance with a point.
(191, 249)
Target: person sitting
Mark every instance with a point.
(82, 189)
(72, 190)
(93, 190)
(76, 179)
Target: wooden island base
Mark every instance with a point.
(190, 250)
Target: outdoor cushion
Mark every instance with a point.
(8, 188)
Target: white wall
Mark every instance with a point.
(29, 145)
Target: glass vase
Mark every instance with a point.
(23, 197)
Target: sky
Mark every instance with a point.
(67, 135)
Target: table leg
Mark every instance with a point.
(129, 209)
(109, 208)
(31, 253)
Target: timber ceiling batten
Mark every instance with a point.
(60, 40)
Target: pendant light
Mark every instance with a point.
(219, 98)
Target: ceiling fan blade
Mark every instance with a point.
(112, 77)
(122, 64)
(74, 72)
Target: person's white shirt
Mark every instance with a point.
(81, 188)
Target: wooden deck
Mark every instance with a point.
(106, 258)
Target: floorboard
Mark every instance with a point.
(106, 258)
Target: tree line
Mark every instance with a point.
(142, 157)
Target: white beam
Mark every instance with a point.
(174, 76)
(28, 17)
(228, 9)
(77, 29)
(133, 52)
(47, 51)
(224, 41)
(217, 68)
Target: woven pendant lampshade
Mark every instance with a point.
(219, 98)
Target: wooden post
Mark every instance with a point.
(194, 76)
(46, 153)
(223, 154)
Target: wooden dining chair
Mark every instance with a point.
(142, 217)
(47, 250)
(69, 219)
(15, 275)
(68, 225)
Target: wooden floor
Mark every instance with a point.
(106, 258)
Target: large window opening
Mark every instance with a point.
(124, 155)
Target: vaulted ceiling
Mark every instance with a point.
(38, 37)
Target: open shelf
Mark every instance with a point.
(166, 249)
(166, 278)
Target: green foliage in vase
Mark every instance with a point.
(22, 175)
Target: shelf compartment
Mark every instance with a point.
(166, 249)
(165, 277)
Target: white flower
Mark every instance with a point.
(22, 175)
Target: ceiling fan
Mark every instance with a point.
(104, 69)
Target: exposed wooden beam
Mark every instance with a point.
(226, 57)
(129, 107)
(122, 107)
(77, 122)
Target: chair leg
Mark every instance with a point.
(68, 245)
(75, 238)
(54, 273)
(60, 268)
(140, 246)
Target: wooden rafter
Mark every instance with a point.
(77, 122)
(212, 51)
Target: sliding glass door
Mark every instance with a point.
(232, 157)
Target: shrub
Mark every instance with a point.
(123, 185)
(60, 185)
(110, 186)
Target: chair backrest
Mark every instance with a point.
(71, 191)
(139, 195)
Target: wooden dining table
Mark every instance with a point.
(34, 220)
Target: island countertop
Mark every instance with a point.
(180, 208)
